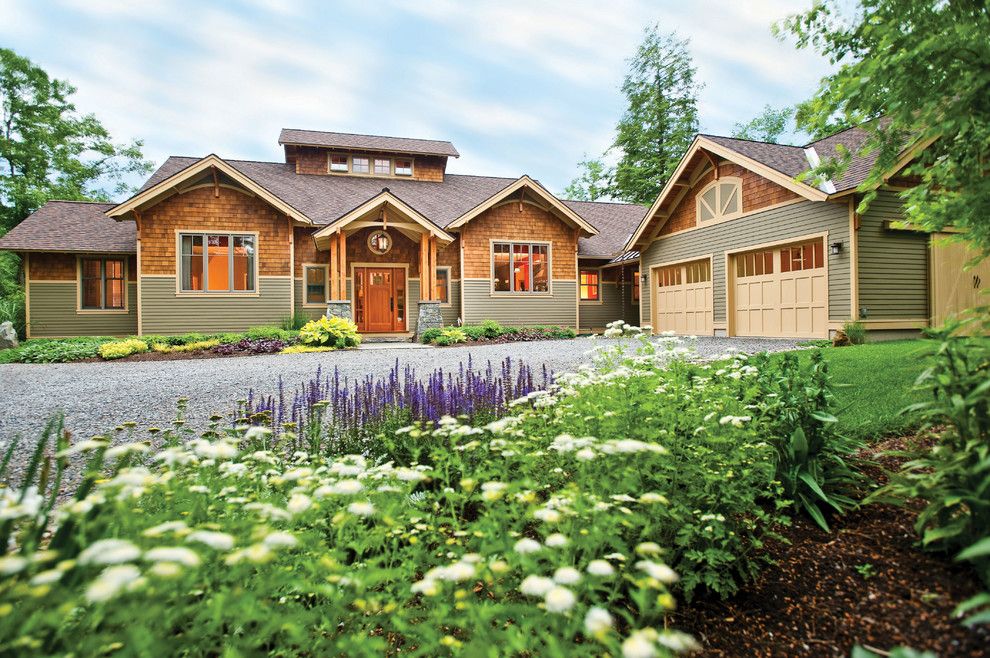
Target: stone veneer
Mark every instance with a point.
(429, 317)
(339, 309)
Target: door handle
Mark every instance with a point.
(391, 304)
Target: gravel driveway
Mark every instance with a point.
(96, 397)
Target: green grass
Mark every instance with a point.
(875, 382)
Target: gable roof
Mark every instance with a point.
(384, 199)
(381, 143)
(615, 223)
(72, 226)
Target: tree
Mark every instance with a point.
(661, 119)
(48, 150)
(923, 66)
(768, 126)
(592, 183)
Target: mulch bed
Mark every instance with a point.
(521, 337)
(814, 602)
(170, 356)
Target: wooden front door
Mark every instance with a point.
(380, 299)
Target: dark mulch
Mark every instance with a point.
(169, 356)
(521, 336)
(814, 602)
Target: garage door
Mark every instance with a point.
(683, 298)
(954, 288)
(781, 292)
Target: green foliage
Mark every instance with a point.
(855, 331)
(55, 350)
(271, 333)
(48, 150)
(865, 570)
(925, 68)
(165, 348)
(953, 478)
(795, 405)
(330, 332)
(768, 126)
(118, 349)
(491, 330)
(294, 322)
(450, 336)
(592, 183)
(305, 349)
(12, 310)
(661, 118)
(430, 334)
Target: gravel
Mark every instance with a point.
(96, 397)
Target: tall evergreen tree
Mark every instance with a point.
(661, 119)
(768, 126)
(592, 183)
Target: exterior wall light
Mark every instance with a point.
(835, 248)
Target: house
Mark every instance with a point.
(375, 229)
(368, 227)
(736, 245)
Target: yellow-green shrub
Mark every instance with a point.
(118, 349)
(303, 349)
(330, 332)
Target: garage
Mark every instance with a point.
(956, 289)
(683, 298)
(780, 291)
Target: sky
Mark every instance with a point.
(519, 86)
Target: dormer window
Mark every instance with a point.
(360, 165)
(338, 163)
(720, 199)
(403, 167)
(383, 166)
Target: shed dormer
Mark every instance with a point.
(375, 156)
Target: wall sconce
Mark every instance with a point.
(835, 248)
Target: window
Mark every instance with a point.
(383, 166)
(217, 263)
(756, 263)
(635, 290)
(698, 272)
(520, 267)
(589, 285)
(670, 276)
(315, 278)
(802, 257)
(443, 285)
(338, 163)
(102, 284)
(360, 165)
(721, 199)
(403, 167)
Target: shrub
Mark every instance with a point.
(57, 350)
(855, 332)
(330, 332)
(294, 322)
(269, 333)
(491, 328)
(450, 336)
(794, 405)
(430, 334)
(12, 310)
(120, 348)
(304, 349)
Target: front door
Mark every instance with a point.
(380, 299)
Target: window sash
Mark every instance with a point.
(635, 288)
(442, 287)
(316, 290)
(339, 163)
(223, 262)
(531, 259)
(383, 166)
(360, 165)
(107, 281)
(589, 285)
(403, 167)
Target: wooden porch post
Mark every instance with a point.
(424, 265)
(342, 265)
(334, 270)
(432, 268)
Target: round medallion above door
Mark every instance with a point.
(379, 242)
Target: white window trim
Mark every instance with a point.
(598, 270)
(179, 292)
(326, 285)
(80, 309)
(449, 302)
(371, 165)
(718, 200)
(514, 293)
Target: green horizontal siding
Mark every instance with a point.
(164, 312)
(450, 312)
(311, 312)
(792, 221)
(893, 265)
(53, 313)
(412, 300)
(558, 309)
(613, 306)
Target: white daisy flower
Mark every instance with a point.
(177, 554)
(600, 568)
(361, 508)
(597, 621)
(280, 540)
(526, 545)
(536, 585)
(567, 576)
(559, 599)
(109, 551)
(639, 645)
(556, 540)
(660, 571)
(109, 583)
(218, 541)
(299, 503)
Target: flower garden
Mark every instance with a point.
(486, 511)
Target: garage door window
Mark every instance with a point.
(756, 263)
(669, 276)
(699, 272)
(808, 256)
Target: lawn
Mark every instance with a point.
(875, 382)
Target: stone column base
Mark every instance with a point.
(429, 317)
(340, 308)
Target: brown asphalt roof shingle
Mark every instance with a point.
(379, 143)
(615, 223)
(72, 226)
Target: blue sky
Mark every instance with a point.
(520, 87)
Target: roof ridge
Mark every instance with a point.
(610, 203)
(105, 203)
(481, 176)
(752, 141)
(337, 132)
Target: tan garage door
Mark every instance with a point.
(781, 292)
(683, 300)
(954, 288)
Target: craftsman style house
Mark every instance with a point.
(374, 228)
